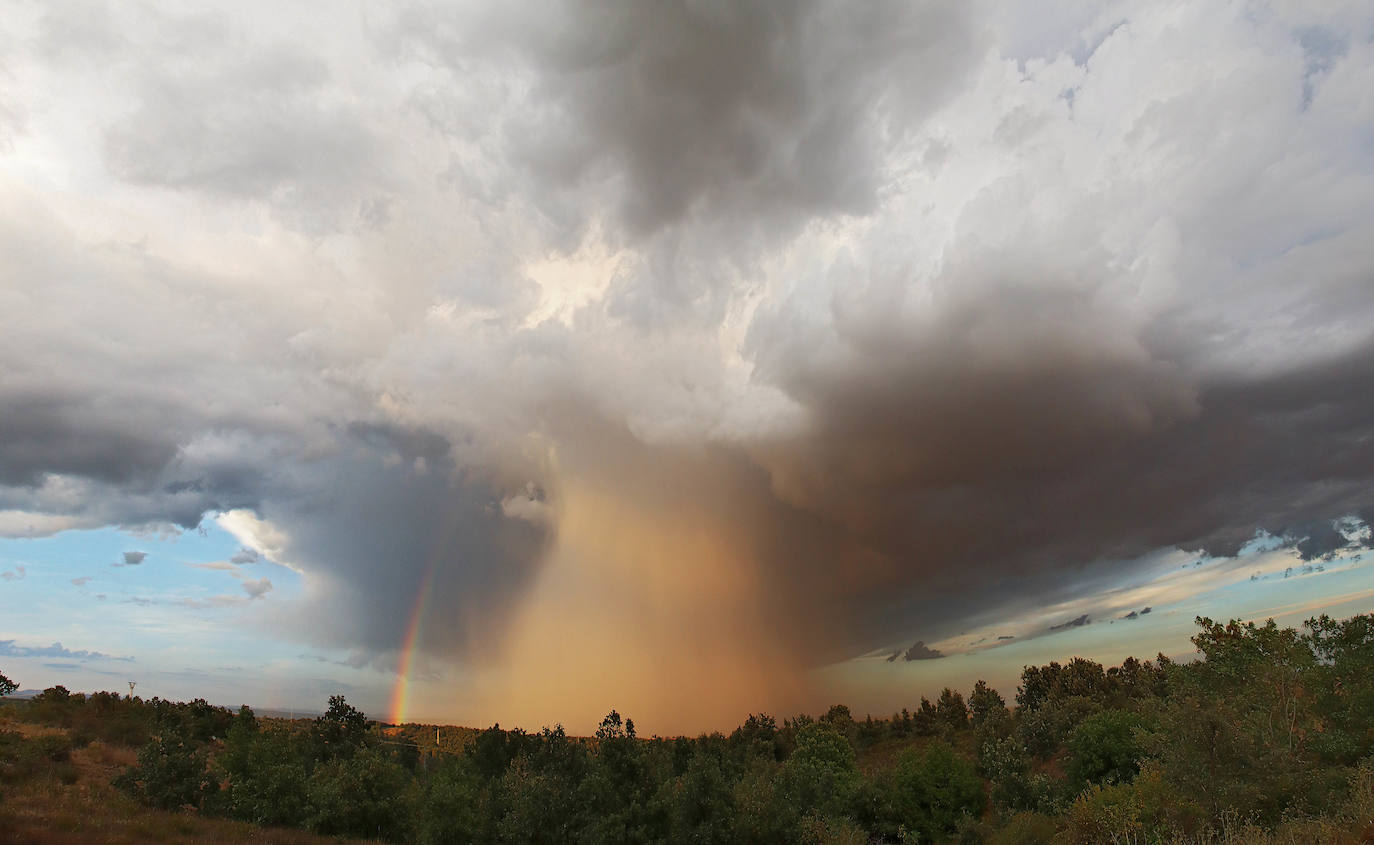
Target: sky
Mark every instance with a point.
(513, 362)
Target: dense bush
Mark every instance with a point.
(933, 791)
(172, 772)
(1105, 748)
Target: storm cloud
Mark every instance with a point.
(722, 336)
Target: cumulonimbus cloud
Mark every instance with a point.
(901, 314)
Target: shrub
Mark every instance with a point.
(1027, 829)
(934, 790)
(452, 806)
(820, 774)
(362, 795)
(1104, 748)
(171, 773)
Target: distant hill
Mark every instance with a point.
(25, 694)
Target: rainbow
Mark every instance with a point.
(400, 692)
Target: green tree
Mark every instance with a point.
(359, 795)
(1236, 730)
(762, 813)
(341, 731)
(821, 773)
(264, 774)
(6, 685)
(933, 791)
(951, 710)
(1006, 765)
(700, 804)
(454, 806)
(1104, 748)
(490, 751)
(759, 736)
(1342, 685)
(171, 773)
(985, 704)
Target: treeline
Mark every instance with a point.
(1270, 734)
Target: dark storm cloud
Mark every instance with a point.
(407, 443)
(42, 434)
(962, 477)
(759, 112)
(374, 527)
(1318, 539)
(1040, 335)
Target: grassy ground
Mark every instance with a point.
(54, 794)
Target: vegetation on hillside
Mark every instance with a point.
(1268, 737)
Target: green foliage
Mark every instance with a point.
(106, 716)
(951, 710)
(1237, 728)
(22, 758)
(1007, 767)
(701, 804)
(1269, 735)
(1343, 686)
(1103, 814)
(1079, 678)
(816, 829)
(362, 795)
(453, 806)
(1104, 748)
(540, 805)
(820, 774)
(1027, 829)
(932, 791)
(6, 685)
(1045, 729)
(490, 752)
(986, 705)
(341, 731)
(759, 736)
(762, 814)
(265, 774)
(171, 773)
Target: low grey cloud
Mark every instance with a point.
(918, 651)
(1076, 622)
(8, 648)
(82, 581)
(257, 588)
(16, 574)
(245, 555)
(134, 558)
